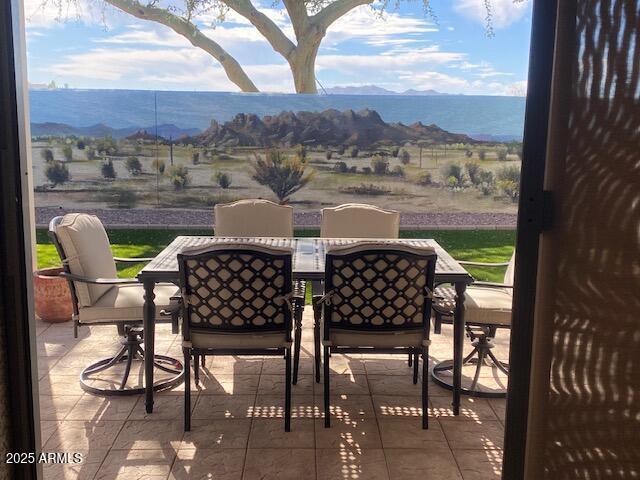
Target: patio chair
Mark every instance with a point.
(236, 300)
(350, 220)
(487, 307)
(100, 298)
(262, 218)
(378, 300)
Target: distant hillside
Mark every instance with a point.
(100, 130)
(375, 90)
(331, 127)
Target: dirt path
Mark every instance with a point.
(203, 218)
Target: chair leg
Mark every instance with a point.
(202, 360)
(437, 324)
(297, 341)
(425, 388)
(416, 363)
(410, 359)
(187, 389)
(196, 369)
(317, 314)
(327, 414)
(287, 390)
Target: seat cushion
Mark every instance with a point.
(345, 338)
(488, 306)
(124, 303)
(253, 218)
(355, 220)
(86, 246)
(238, 341)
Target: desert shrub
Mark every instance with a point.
(379, 165)
(486, 182)
(107, 145)
(47, 155)
(508, 180)
(328, 154)
(365, 189)
(341, 150)
(282, 175)
(353, 169)
(395, 151)
(468, 153)
(482, 154)
(366, 170)
(195, 158)
(501, 153)
(354, 151)
(340, 167)
(133, 165)
(57, 173)
(424, 179)
(90, 152)
(473, 169)
(454, 171)
(515, 148)
(159, 166)
(405, 157)
(67, 152)
(179, 177)
(223, 179)
(397, 171)
(107, 169)
(80, 144)
(301, 153)
(123, 198)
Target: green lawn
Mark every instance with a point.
(475, 245)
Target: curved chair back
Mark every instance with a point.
(84, 249)
(376, 287)
(236, 288)
(358, 220)
(511, 270)
(253, 218)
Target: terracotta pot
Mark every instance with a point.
(52, 295)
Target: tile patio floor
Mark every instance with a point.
(238, 430)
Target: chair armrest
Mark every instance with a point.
(483, 264)
(131, 260)
(491, 284)
(99, 281)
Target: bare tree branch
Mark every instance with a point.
(298, 15)
(269, 30)
(191, 32)
(332, 12)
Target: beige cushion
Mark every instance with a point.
(122, 303)
(357, 220)
(238, 340)
(345, 338)
(88, 252)
(253, 218)
(491, 306)
(509, 274)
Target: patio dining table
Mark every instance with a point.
(308, 264)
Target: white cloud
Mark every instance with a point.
(503, 12)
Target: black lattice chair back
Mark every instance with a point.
(237, 288)
(378, 287)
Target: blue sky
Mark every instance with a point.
(92, 47)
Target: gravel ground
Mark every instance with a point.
(203, 218)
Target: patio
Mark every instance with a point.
(237, 418)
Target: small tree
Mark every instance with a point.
(107, 169)
(195, 158)
(341, 150)
(380, 165)
(68, 153)
(80, 144)
(90, 152)
(158, 165)
(405, 157)
(107, 146)
(328, 154)
(354, 151)
(501, 153)
(47, 155)
(284, 176)
(395, 151)
(482, 154)
(223, 179)
(133, 166)
(57, 173)
(179, 177)
(341, 167)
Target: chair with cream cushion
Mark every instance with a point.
(487, 307)
(100, 298)
(350, 220)
(262, 218)
(378, 300)
(236, 300)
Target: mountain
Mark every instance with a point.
(101, 130)
(375, 90)
(330, 127)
